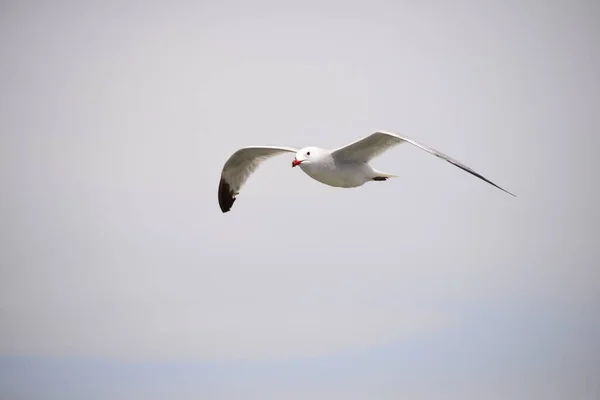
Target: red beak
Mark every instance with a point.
(295, 163)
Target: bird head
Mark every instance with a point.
(305, 156)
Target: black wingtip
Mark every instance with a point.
(466, 169)
(226, 196)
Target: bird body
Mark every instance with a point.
(344, 167)
(323, 167)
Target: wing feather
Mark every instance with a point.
(367, 148)
(377, 143)
(239, 167)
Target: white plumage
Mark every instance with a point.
(345, 167)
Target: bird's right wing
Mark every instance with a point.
(239, 167)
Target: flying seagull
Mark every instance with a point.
(345, 167)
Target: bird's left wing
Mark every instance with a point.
(377, 143)
(369, 147)
(239, 167)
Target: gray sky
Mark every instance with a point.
(115, 260)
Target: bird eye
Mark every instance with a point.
(308, 153)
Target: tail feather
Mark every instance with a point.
(379, 174)
(383, 176)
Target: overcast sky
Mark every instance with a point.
(120, 278)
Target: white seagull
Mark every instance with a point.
(345, 167)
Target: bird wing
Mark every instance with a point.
(239, 167)
(377, 143)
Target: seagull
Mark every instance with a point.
(344, 167)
